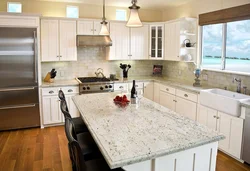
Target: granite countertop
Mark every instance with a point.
(139, 132)
(58, 83)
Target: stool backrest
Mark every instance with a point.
(74, 146)
(64, 109)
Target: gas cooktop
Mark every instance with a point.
(93, 79)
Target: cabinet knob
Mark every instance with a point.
(167, 89)
(121, 87)
(215, 117)
(70, 90)
(185, 95)
(51, 92)
(218, 117)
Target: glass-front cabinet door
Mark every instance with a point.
(156, 41)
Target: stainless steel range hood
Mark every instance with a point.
(97, 40)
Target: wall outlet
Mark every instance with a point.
(205, 77)
(61, 73)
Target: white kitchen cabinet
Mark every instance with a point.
(120, 36)
(58, 40)
(156, 92)
(51, 111)
(172, 41)
(121, 87)
(138, 86)
(68, 40)
(50, 40)
(149, 90)
(88, 27)
(186, 108)
(167, 100)
(156, 41)
(139, 42)
(231, 127)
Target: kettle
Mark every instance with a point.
(188, 44)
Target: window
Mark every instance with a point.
(72, 12)
(232, 54)
(121, 15)
(14, 7)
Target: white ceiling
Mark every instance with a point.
(146, 4)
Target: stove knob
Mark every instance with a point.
(106, 86)
(110, 86)
(101, 88)
(88, 88)
(84, 88)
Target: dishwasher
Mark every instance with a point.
(246, 138)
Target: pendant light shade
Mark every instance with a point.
(104, 30)
(134, 18)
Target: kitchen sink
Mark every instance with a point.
(223, 100)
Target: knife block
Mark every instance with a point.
(48, 78)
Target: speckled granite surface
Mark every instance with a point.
(139, 132)
(59, 83)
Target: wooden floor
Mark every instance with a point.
(46, 149)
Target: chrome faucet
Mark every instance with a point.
(239, 84)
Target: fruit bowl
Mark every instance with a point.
(121, 101)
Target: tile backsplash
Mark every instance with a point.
(90, 59)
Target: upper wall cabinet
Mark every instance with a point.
(139, 42)
(156, 41)
(128, 43)
(177, 34)
(88, 27)
(58, 40)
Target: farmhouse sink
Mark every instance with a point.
(223, 100)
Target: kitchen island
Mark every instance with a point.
(147, 136)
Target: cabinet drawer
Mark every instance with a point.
(50, 91)
(167, 89)
(121, 86)
(186, 95)
(70, 90)
(137, 85)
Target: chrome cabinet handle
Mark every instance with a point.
(121, 87)
(51, 92)
(215, 116)
(185, 95)
(35, 52)
(70, 90)
(174, 100)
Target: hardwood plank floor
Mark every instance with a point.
(47, 150)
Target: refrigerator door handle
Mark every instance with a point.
(35, 53)
(17, 89)
(15, 107)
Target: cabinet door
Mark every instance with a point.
(224, 127)
(149, 90)
(50, 40)
(186, 108)
(156, 41)
(207, 117)
(85, 27)
(172, 41)
(51, 110)
(97, 27)
(236, 137)
(119, 34)
(139, 42)
(167, 100)
(68, 40)
(74, 112)
(157, 92)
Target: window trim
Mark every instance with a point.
(78, 12)
(14, 3)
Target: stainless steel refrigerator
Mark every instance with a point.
(19, 98)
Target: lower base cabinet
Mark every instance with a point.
(231, 127)
(186, 108)
(148, 91)
(167, 100)
(51, 110)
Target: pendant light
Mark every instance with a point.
(134, 18)
(104, 30)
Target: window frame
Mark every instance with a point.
(78, 12)
(126, 15)
(223, 52)
(19, 3)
